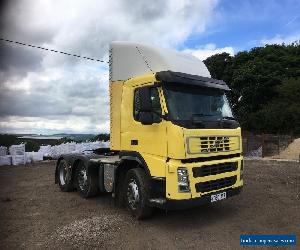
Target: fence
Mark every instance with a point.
(265, 145)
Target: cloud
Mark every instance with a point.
(44, 92)
(208, 50)
(71, 124)
(280, 39)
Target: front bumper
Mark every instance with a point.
(213, 179)
(170, 204)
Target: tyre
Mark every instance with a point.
(64, 176)
(137, 193)
(86, 183)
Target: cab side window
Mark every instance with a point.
(155, 104)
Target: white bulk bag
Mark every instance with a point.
(5, 160)
(45, 150)
(3, 151)
(37, 156)
(17, 149)
(18, 160)
(28, 157)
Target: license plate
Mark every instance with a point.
(218, 197)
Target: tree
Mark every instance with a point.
(8, 140)
(31, 145)
(266, 80)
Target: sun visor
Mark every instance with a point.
(187, 79)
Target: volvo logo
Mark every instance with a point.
(216, 144)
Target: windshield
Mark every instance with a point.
(186, 103)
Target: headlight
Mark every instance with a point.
(183, 180)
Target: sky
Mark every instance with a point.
(46, 93)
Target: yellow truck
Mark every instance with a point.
(174, 142)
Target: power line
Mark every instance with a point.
(52, 50)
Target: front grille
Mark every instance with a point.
(215, 184)
(210, 158)
(214, 144)
(214, 169)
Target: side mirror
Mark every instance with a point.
(146, 116)
(145, 100)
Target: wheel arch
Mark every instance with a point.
(127, 164)
(132, 156)
(129, 160)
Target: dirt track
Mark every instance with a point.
(34, 214)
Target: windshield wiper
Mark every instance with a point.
(201, 115)
(196, 121)
(228, 118)
(229, 122)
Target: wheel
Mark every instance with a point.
(137, 193)
(86, 183)
(64, 180)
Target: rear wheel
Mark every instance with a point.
(86, 182)
(137, 193)
(64, 176)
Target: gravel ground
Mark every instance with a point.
(34, 214)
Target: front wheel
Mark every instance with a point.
(137, 193)
(86, 182)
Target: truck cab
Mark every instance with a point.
(174, 139)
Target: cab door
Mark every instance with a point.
(147, 139)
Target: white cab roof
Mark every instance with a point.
(128, 59)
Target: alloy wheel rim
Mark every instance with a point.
(133, 196)
(82, 177)
(63, 174)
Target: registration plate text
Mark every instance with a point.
(218, 197)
